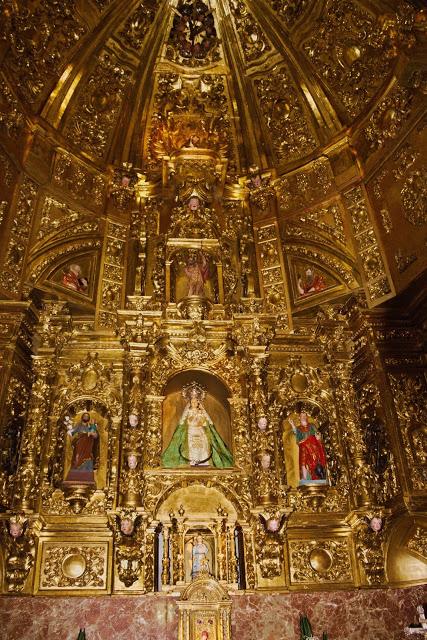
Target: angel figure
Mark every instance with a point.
(128, 535)
(19, 545)
(195, 441)
(273, 523)
(370, 541)
(269, 556)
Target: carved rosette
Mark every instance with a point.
(320, 561)
(76, 567)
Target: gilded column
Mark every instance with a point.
(221, 542)
(242, 442)
(149, 560)
(231, 554)
(263, 438)
(35, 430)
(17, 320)
(153, 430)
(250, 562)
(363, 478)
(384, 447)
(181, 550)
(53, 331)
(166, 559)
(132, 480)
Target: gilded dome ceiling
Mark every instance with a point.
(319, 95)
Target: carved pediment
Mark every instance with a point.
(205, 589)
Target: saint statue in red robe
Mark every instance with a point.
(85, 450)
(312, 456)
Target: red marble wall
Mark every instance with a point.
(379, 614)
(346, 615)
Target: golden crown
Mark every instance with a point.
(193, 390)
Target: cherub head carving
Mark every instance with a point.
(376, 523)
(16, 526)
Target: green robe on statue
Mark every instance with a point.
(196, 442)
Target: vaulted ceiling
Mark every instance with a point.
(323, 94)
(290, 77)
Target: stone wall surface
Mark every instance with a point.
(379, 614)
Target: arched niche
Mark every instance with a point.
(200, 504)
(293, 445)
(197, 536)
(194, 273)
(72, 414)
(215, 402)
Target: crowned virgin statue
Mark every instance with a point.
(195, 441)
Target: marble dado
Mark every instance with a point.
(379, 614)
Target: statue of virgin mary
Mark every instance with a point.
(195, 441)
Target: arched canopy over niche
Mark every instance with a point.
(215, 402)
(200, 504)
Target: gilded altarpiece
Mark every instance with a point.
(212, 367)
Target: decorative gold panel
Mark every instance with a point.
(74, 566)
(83, 184)
(13, 265)
(253, 41)
(322, 561)
(289, 126)
(38, 38)
(378, 284)
(94, 116)
(346, 50)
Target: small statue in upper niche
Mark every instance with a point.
(312, 282)
(197, 272)
(199, 556)
(73, 278)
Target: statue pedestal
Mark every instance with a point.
(195, 308)
(77, 493)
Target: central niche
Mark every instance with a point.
(196, 422)
(194, 273)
